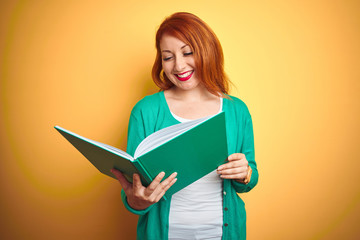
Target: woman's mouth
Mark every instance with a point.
(184, 76)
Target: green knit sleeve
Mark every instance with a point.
(248, 149)
(130, 209)
(136, 133)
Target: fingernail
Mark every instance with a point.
(175, 174)
(162, 174)
(219, 168)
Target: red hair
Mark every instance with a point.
(207, 50)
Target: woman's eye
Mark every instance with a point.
(166, 58)
(188, 53)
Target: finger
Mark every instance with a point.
(168, 180)
(125, 184)
(234, 176)
(236, 156)
(136, 182)
(155, 182)
(173, 181)
(236, 170)
(161, 194)
(232, 164)
(164, 185)
(160, 191)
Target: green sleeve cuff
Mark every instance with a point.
(241, 187)
(130, 209)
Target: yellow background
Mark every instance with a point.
(84, 64)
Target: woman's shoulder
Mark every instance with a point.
(148, 103)
(236, 104)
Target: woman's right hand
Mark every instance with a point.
(140, 197)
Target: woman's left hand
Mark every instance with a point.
(237, 168)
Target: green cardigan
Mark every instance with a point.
(152, 114)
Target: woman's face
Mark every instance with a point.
(178, 62)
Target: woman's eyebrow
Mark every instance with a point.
(180, 48)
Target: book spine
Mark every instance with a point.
(145, 175)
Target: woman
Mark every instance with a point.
(189, 71)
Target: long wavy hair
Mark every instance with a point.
(207, 51)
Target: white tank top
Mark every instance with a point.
(196, 212)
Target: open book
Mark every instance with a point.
(192, 149)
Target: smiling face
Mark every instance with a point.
(178, 63)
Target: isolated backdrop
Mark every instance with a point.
(84, 64)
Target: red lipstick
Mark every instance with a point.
(184, 76)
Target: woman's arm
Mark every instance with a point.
(239, 164)
(137, 198)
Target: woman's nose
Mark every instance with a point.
(179, 64)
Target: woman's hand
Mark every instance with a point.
(237, 168)
(140, 197)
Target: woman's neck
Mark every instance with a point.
(192, 104)
(194, 95)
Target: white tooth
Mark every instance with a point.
(185, 74)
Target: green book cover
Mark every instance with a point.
(192, 149)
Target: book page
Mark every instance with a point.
(116, 150)
(99, 144)
(164, 135)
